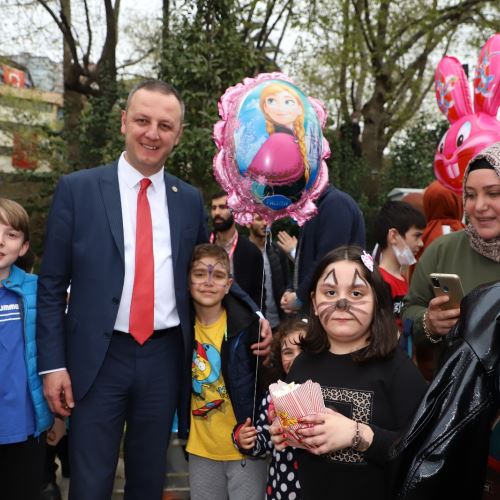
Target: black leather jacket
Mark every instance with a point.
(444, 452)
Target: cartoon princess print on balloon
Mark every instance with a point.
(271, 158)
(282, 159)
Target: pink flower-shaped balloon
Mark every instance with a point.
(271, 158)
(472, 129)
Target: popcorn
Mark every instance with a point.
(281, 388)
(294, 401)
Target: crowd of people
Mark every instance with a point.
(139, 314)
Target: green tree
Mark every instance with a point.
(348, 168)
(87, 78)
(374, 58)
(408, 165)
(33, 191)
(207, 48)
(412, 155)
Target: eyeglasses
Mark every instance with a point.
(201, 276)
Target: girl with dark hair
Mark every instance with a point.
(370, 387)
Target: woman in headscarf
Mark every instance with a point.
(473, 254)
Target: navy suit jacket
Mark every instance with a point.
(84, 246)
(339, 221)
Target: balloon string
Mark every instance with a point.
(268, 237)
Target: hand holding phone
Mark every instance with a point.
(447, 285)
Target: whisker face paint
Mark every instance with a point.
(344, 301)
(327, 309)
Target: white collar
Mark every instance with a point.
(132, 177)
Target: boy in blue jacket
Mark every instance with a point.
(223, 383)
(24, 414)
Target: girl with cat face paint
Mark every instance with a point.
(370, 387)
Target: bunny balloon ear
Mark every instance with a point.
(452, 89)
(487, 77)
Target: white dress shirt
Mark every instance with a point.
(165, 309)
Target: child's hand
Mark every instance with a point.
(331, 431)
(271, 414)
(247, 435)
(278, 436)
(56, 432)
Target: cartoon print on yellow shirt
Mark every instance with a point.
(206, 369)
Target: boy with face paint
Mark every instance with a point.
(223, 383)
(398, 232)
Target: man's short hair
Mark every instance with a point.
(12, 214)
(219, 194)
(215, 251)
(398, 215)
(157, 86)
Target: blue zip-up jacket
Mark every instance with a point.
(25, 285)
(237, 360)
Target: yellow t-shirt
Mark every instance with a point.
(212, 415)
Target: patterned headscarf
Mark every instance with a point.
(491, 248)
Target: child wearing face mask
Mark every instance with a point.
(370, 387)
(282, 479)
(398, 231)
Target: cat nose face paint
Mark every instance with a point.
(343, 305)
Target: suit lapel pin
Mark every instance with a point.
(174, 189)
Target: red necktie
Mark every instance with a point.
(141, 322)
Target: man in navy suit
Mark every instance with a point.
(94, 369)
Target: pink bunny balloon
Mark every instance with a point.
(472, 129)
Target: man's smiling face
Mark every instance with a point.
(152, 126)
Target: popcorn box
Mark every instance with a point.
(293, 401)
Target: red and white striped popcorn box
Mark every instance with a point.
(294, 401)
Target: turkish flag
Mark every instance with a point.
(14, 77)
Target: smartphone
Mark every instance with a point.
(450, 285)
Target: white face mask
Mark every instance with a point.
(403, 255)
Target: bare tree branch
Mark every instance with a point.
(262, 33)
(248, 23)
(63, 26)
(286, 7)
(365, 30)
(459, 13)
(282, 35)
(346, 36)
(89, 33)
(139, 59)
